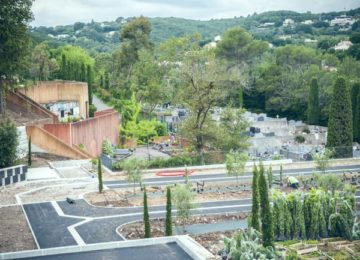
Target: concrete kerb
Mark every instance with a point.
(192, 248)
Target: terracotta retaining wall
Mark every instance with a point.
(90, 132)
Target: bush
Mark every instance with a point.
(176, 161)
(92, 110)
(107, 148)
(104, 95)
(9, 142)
(306, 130)
(300, 139)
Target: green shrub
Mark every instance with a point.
(176, 161)
(104, 95)
(107, 148)
(300, 139)
(8, 143)
(92, 110)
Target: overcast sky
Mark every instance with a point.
(63, 12)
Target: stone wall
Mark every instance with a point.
(12, 175)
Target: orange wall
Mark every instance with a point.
(51, 143)
(90, 132)
(59, 90)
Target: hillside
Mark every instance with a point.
(104, 36)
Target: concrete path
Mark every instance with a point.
(99, 104)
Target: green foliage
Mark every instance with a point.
(340, 127)
(281, 174)
(15, 16)
(133, 170)
(355, 101)
(89, 80)
(235, 163)
(92, 110)
(183, 199)
(29, 152)
(267, 226)
(174, 161)
(300, 139)
(107, 148)
(313, 105)
(168, 220)
(255, 208)
(322, 159)
(43, 66)
(100, 176)
(296, 212)
(329, 182)
(147, 229)
(9, 142)
(270, 176)
(247, 245)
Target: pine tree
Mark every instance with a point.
(356, 112)
(146, 217)
(89, 81)
(255, 214)
(340, 128)
(267, 225)
(83, 73)
(313, 104)
(100, 175)
(168, 223)
(29, 152)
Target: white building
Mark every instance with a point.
(307, 22)
(342, 21)
(343, 46)
(288, 22)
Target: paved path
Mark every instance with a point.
(99, 104)
(57, 223)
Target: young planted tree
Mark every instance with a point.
(322, 160)
(270, 176)
(9, 142)
(133, 169)
(356, 114)
(168, 221)
(147, 229)
(100, 176)
(340, 127)
(89, 77)
(313, 105)
(281, 175)
(267, 226)
(255, 208)
(184, 202)
(297, 224)
(235, 163)
(29, 152)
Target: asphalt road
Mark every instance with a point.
(221, 177)
(51, 225)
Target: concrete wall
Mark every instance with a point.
(12, 175)
(51, 143)
(90, 132)
(53, 91)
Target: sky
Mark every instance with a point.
(63, 12)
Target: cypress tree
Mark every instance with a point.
(313, 104)
(100, 175)
(146, 217)
(83, 73)
(356, 116)
(63, 67)
(267, 225)
(29, 152)
(107, 80)
(255, 215)
(270, 177)
(340, 127)
(281, 175)
(101, 81)
(168, 223)
(89, 81)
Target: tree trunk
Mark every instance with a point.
(199, 149)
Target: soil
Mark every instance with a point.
(15, 234)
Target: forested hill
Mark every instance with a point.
(104, 36)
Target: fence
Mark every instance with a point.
(12, 175)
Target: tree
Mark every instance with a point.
(9, 142)
(146, 217)
(202, 87)
(267, 226)
(107, 80)
(355, 96)
(89, 76)
(14, 16)
(330, 182)
(313, 105)
(133, 169)
(239, 49)
(29, 152)
(340, 127)
(184, 202)
(270, 176)
(100, 176)
(235, 163)
(255, 208)
(83, 73)
(42, 65)
(322, 160)
(168, 221)
(281, 175)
